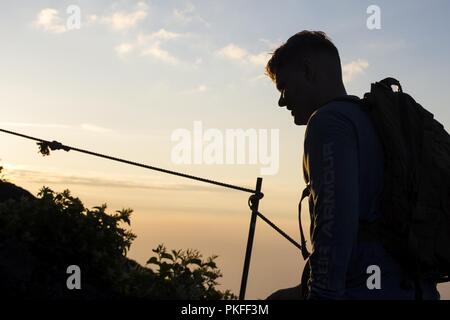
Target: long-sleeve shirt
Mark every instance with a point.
(343, 163)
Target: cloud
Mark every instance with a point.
(122, 20)
(200, 89)
(184, 15)
(160, 35)
(259, 59)
(49, 178)
(160, 54)
(35, 125)
(83, 126)
(94, 128)
(188, 15)
(352, 69)
(151, 45)
(272, 45)
(92, 19)
(259, 78)
(232, 52)
(124, 48)
(48, 19)
(236, 53)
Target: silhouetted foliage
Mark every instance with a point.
(184, 274)
(40, 237)
(44, 148)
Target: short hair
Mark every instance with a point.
(302, 44)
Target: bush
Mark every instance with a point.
(40, 237)
(185, 275)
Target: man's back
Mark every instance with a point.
(343, 162)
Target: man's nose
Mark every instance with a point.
(282, 101)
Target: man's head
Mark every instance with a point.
(307, 71)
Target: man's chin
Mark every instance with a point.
(299, 121)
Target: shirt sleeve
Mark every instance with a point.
(332, 165)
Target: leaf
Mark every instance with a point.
(165, 255)
(43, 148)
(164, 268)
(176, 254)
(195, 261)
(153, 260)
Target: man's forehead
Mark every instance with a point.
(280, 78)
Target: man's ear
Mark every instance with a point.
(308, 70)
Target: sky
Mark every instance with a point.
(133, 78)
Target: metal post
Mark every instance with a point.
(251, 234)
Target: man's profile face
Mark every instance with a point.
(296, 93)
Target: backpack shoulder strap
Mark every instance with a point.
(304, 250)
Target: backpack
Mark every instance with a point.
(415, 202)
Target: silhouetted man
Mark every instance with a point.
(343, 164)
